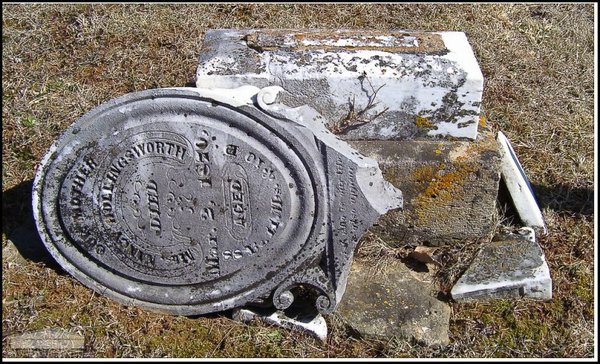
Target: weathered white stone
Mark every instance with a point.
(411, 83)
(519, 187)
(314, 325)
(513, 266)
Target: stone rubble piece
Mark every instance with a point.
(314, 324)
(511, 266)
(394, 301)
(409, 84)
(518, 186)
(53, 338)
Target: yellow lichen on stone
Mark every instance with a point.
(425, 173)
(423, 122)
(444, 187)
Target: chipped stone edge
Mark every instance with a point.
(381, 194)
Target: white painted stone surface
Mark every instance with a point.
(442, 84)
(519, 187)
(509, 268)
(314, 325)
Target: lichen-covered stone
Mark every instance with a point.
(449, 188)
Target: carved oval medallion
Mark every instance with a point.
(177, 202)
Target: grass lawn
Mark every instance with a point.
(60, 61)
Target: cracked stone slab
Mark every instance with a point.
(449, 187)
(511, 266)
(312, 323)
(394, 301)
(409, 84)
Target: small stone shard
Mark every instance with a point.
(314, 324)
(511, 266)
(518, 186)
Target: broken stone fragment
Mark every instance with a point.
(394, 301)
(390, 94)
(517, 184)
(369, 85)
(312, 324)
(191, 201)
(511, 266)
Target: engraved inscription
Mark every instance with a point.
(171, 149)
(231, 150)
(153, 206)
(276, 211)
(202, 160)
(129, 249)
(257, 162)
(247, 251)
(237, 199)
(76, 191)
(182, 258)
(346, 194)
(90, 243)
(212, 258)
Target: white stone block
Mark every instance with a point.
(407, 84)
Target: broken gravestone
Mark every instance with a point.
(190, 201)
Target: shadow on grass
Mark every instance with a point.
(564, 198)
(560, 198)
(18, 225)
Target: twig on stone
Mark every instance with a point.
(354, 119)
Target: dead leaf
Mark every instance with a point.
(425, 255)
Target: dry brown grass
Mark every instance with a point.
(59, 61)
